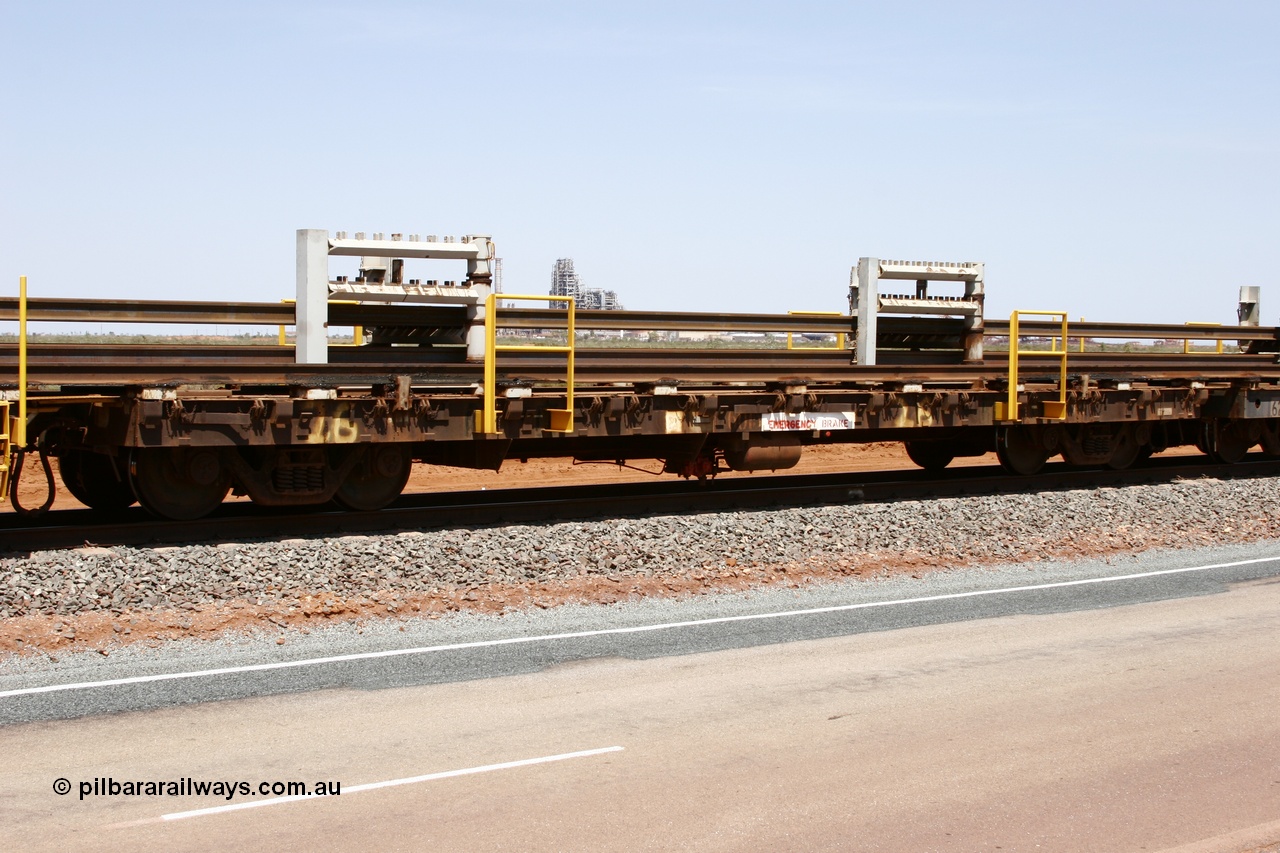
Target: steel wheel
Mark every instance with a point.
(377, 479)
(1020, 450)
(1226, 441)
(1270, 438)
(1126, 450)
(179, 483)
(929, 455)
(91, 478)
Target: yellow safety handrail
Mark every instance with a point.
(357, 332)
(1053, 410)
(4, 451)
(1186, 342)
(561, 419)
(15, 431)
(20, 431)
(839, 335)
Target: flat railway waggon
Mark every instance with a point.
(452, 373)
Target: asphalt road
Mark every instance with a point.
(466, 648)
(1125, 715)
(1096, 706)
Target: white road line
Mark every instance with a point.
(368, 786)
(605, 632)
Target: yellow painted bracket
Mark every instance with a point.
(1053, 410)
(15, 430)
(839, 335)
(561, 419)
(357, 332)
(5, 451)
(20, 429)
(1186, 343)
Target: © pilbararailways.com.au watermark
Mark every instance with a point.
(107, 786)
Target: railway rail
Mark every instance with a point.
(61, 310)
(446, 373)
(111, 366)
(242, 521)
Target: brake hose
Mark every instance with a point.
(19, 457)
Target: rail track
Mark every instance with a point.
(241, 521)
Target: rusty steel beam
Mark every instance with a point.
(1135, 331)
(126, 354)
(148, 311)
(373, 314)
(92, 354)
(673, 321)
(229, 365)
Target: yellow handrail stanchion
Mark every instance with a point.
(561, 419)
(14, 435)
(19, 429)
(357, 332)
(282, 338)
(1186, 342)
(20, 434)
(4, 451)
(839, 335)
(1011, 394)
(1054, 410)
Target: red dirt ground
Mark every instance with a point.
(874, 456)
(555, 472)
(103, 632)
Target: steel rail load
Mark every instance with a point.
(445, 373)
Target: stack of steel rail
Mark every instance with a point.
(98, 364)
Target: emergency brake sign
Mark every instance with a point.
(806, 421)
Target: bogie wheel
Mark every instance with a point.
(929, 455)
(1226, 441)
(1126, 450)
(1020, 450)
(1270, 438)
(377, 478)
(92, 479)
(178, 483)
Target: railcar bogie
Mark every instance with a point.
(96, 480)
(1022, 449)
(378, 477)
(180, 483)
(930, 455)
(1227, 441)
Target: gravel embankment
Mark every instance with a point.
(747, 546)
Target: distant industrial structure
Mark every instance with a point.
(565, 282)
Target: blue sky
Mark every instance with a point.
(1117, 160)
